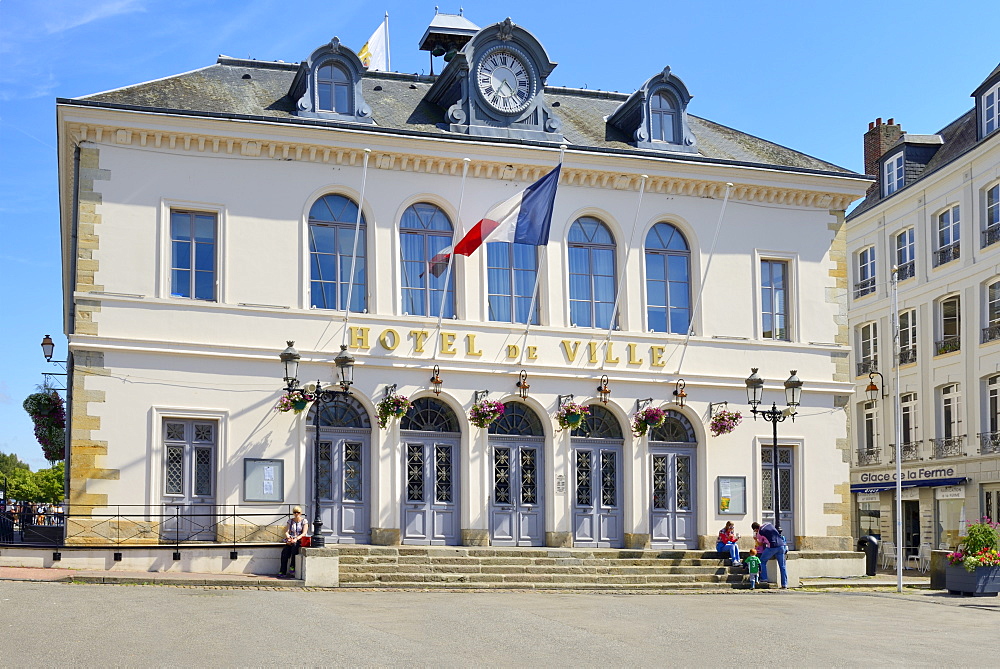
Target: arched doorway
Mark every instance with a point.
(672, 451)
(517, 508)
(344, 472)
(431, 439)
(598, 517)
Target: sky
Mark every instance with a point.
(807, 75)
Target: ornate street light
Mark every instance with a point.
(522, 385)
(48, 348)
(603, 391)
(436, 381)
(290, 358)
(793, 393)
(872, 391)
(345, 368)
(679, 395)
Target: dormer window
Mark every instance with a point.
(892, 174)
(991, 110)
(662, 118)
(333, 89)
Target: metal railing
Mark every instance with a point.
(989, 442)
(862, 288)
(946, 254)
(906, 270)
(991, 333)
(907, 355)
(866, 367)
(991, 236)
(869, 457)
(949, 447)
(947, 345)
(146, 525)
(908, 451)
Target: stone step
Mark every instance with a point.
(524, 562)
(515, 553)
(622, 570)
(389, 578)
(635, 587)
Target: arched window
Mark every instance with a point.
(668, 280)
(591, 273)
(662, 118)
(675, 428)
(424, 232)
(333, 89)
(599, 424)
(517, 420)
(331, 243)
(344, 411)
(429, 415)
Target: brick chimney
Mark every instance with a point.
(879, 138)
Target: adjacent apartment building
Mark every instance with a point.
(932, 222)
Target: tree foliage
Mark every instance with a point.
(45, 485)
(10, 462)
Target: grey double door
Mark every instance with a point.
(430, 511)
(672, 513)
(344, 486)
(598, 517)
(517, 515)
(786, 490)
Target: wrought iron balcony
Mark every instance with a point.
(991, 333)
(908, 452)
(946, 254)
(862, 288)
(906, 271)
(947, 345)
(866, 367)
(991, 235)
(989, 442)
(907, 355)
(949, 447)
(869, 457)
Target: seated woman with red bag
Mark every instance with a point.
(727, 543)
(295, 532)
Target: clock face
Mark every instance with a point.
(505, 81)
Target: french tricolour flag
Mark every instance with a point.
(523, 219)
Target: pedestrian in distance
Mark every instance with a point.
(296, 530)
(727, 543)
(753, 566)
(776, 550)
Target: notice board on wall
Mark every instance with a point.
(263, 480)
(732, 495)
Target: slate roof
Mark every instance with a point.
(958, 137)
(235, 88)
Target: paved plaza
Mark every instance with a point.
(105, 625)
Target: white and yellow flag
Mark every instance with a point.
(375, 53)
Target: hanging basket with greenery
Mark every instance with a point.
(392, 407)
(47, 410)
(295, 400)
(647, 418)
(571, 415)
(724, 422)
(485, 412)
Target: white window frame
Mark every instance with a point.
(865, 284)
(791, 293)
(949, 221)
(893, 174)
(991, 110)
(991, 214)
(958, 317)
(951, 411)
(869, 433)
(868, 345)
(907, 330)
(163, 284)
(908, 417)
(157, 420)
(906, 249)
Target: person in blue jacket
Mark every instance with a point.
(776, 550)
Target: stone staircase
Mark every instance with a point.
(535, 568)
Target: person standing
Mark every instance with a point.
(753, 567)
(297, 528)
(776, 549)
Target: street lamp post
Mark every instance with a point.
(321, 397)
(793, 393)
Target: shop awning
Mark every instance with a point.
(891, 485)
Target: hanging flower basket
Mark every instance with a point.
(392, 407)
(571, 415)
(49, 415)
(647, 418)
(724, 422)
(485, 412)
(294, 401)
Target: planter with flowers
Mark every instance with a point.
(392, 407)
(295, 400)
(647, 418)
(485, 412)
(974, 569)
(571, 415)
(724, 422)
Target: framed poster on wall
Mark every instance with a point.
(263, 480)
(732, 495)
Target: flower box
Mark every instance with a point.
(981, 581)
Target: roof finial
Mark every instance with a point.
(461, 11)
(435, 10)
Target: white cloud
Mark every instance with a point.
(62, 17)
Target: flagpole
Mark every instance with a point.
(451, 259)
(704, 276)
(538, 276)
(388, 59)
(628, 252)
(354, 251)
